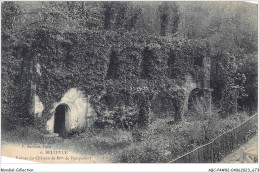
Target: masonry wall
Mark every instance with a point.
(86, 59)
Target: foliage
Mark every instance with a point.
(70, 43)
(97, 141)
(141, 155)
(153, 64)
(108, 14)
(10, 12)
(248, 67)
(15, 71)
(27, 135)
(229, 83)
(120, 15)
(163, 141)
(110, 51)
(228, 27)
(198, 106)
(90, 68)
(169, 17)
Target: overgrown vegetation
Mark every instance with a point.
(160, 143)
(110, 51)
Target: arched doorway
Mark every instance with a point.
(61, 120)
(196, 98)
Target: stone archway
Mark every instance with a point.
(61, 120)
(200, 100)
(80, 112)
(196, 97)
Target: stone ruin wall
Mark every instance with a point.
(82, 113)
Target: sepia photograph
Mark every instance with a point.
(129, 82)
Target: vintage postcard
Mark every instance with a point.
(129, 82)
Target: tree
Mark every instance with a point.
(175, 18)
(134, 14)
(121, 14)
(15, 76)
(169, 17)
(248, 67)
(233, 82)
(109, 11)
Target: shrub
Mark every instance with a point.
(76, 132)
(104, 122)
(105, 139)
(137, 154)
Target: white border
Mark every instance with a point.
(21, 165)
(127, 167)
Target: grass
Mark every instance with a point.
(27, 135)
(102, 141)
(163, 142)
(159, 143)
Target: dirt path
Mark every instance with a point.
(46, 154)
(234, 157)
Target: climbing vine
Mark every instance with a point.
(233, 85)
(114, 67)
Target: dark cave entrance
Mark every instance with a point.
(61, 120)
(196, 98)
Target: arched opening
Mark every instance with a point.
(148, 63)
(198, 60)
(196, 99)
(61, 120)
(113, 66)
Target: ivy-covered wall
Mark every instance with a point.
(119, 72)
